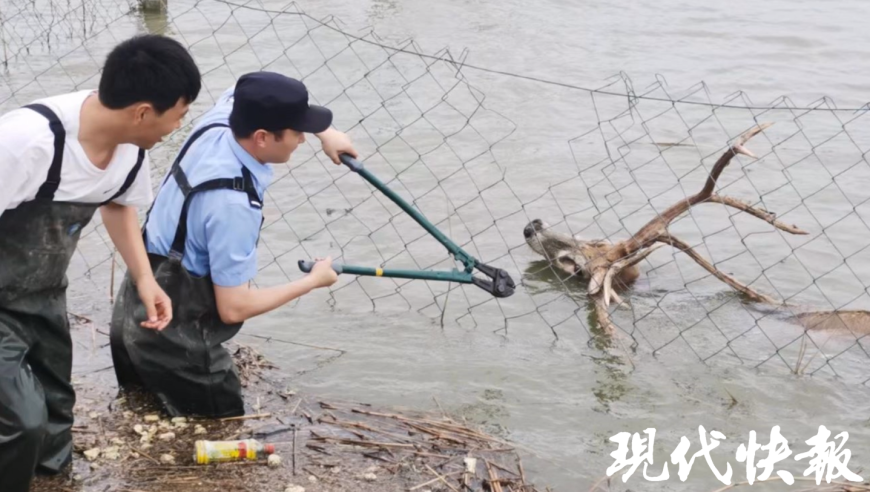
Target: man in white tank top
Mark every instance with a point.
(62, 158)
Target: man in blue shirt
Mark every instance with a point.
(201, 235)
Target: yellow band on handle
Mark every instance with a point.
(379, 272)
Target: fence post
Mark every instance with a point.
(153, 5)
(154, 15)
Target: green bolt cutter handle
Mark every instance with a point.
(499, 283)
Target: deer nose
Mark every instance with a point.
(529, 231)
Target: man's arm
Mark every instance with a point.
(122, 224)
(25, 154)
(335, 143)
(238, 304)
(232, 227)
(14, 177)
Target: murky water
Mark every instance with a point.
(528, 367)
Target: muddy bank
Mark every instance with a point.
(123, 442)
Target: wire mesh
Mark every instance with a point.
(423, 124)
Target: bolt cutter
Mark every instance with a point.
(498, 282)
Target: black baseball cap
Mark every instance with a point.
(274, 102)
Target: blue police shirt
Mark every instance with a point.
(222, 226)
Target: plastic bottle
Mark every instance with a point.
(208, 452)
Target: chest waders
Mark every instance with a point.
(37, 241)
(185, 365)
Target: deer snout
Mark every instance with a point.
(533, 228)
(528, 231)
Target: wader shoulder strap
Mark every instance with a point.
(130, 177)
(177, 164)
(193, 138)
(48, 189)
(243, 183)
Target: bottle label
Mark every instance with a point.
(225, 451)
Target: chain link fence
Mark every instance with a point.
(481, 173)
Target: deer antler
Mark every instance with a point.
(633, 250)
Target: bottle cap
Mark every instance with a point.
(270, 448)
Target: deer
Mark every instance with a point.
(612, 268)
